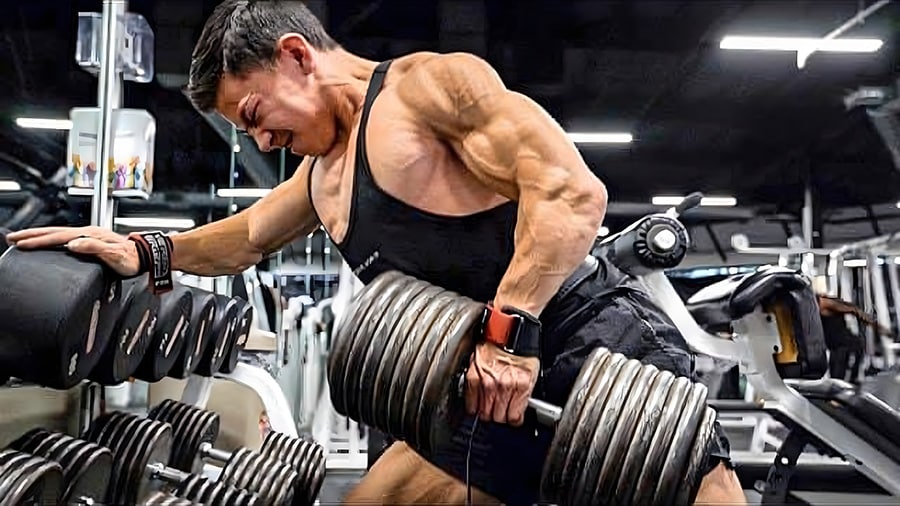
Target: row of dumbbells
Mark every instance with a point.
(182, 332)
(125, 459)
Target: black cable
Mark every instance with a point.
(472, 431)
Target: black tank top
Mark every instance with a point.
(466, 254)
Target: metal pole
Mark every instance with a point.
(109, 97)
(880, 303)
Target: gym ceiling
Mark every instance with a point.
(746, 124)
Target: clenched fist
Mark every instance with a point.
(114, 250)
(498, 384)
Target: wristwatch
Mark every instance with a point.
(513, 330)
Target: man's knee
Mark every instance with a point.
(720, 486)
(402, 476)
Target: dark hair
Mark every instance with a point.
(240, 36)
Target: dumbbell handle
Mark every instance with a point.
(164, 473)
(207, 450)
(547, 414)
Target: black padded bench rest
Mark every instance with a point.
(861, 412)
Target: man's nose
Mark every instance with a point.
(263, 140)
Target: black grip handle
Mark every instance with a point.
(691, 201)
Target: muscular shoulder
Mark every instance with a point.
(444, 87)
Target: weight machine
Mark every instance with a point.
(774, 335)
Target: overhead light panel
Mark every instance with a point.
(600, 137)
(847, 45)
(44, 123)
(242, 192)
(9, 186)
(164, 223)
(664, 200)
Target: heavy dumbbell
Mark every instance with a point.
(203, 312)
(169, 334)
(131, 335)
(59, 316)
(195, 429)
(85, 466)
(240, 334)
(140, 448)
(215, 352)
(28, 479)
(628, 430)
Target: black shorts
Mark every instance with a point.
(506, 461)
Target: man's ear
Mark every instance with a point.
(294, 48)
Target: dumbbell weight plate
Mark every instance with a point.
(370, 348)
(688, 413)
(11, 463)
(240, 335)
(156, 442)
(39, 481)
(370, 317)
(131, 335)
(202, 314)
(203, 428)
(645, 486)
(556, 467)
(579, 450)
(624, 429)
(86, 467)
(100, 432)
(246, 470)
(169, 335)
(393, 346)
(192, 427)
(31, 480)
(687, 491)
(222, 330)
(648, 421)
(176, 414)
(654, 458)
(160, 498)
(337, 358)
(50, 336)
(406, 359)
(191, 431)
(441, 406)
(304, 457)
(418, 373)
(591, 474)
(123, 438)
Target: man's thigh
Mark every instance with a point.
(402, 476)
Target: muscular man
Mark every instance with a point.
(429, 165)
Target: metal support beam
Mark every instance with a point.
(109, 97)
(716, 243)
(873, 219)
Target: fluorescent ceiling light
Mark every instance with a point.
(662, 200)
(45, 123)
(243, 192)
(800, 44)
(166, 223)
(600, 137)
(9, 186)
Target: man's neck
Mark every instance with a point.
(346, 77)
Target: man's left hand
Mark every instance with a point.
(498, 384)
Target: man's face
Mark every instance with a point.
(281, 105)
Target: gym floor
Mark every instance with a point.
(339, 483)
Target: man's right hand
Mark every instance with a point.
(116, 251)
